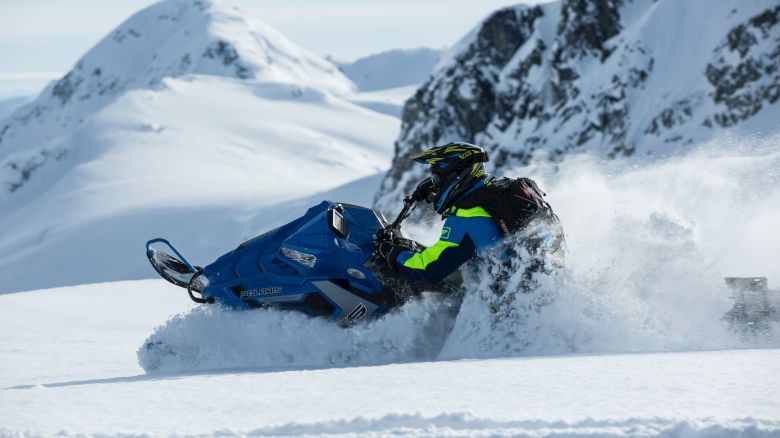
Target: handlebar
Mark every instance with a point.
(405, 212)
(421, 193)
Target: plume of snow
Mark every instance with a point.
(648, 247)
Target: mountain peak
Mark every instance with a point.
(169, 39)
(610, 78)
(179, 37)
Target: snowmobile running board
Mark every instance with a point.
(176, 269)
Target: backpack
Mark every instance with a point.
(512, 203)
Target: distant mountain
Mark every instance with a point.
(8, 106)
(391, 69)
(615, 78)
(190, 120)
(173, 38)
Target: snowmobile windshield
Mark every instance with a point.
(169, 263)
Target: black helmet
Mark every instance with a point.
(455, 168)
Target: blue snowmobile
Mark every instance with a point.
(321, 263)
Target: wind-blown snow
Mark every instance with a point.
(648, 247)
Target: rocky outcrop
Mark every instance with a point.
(614, 78)
(746, 72)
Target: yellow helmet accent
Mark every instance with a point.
(450, 153)
(477, 170)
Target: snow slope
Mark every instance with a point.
(8, 106)
(392, 68)
(389, 101)
(195, 160)
(387, 80)
(69, 353)
(135, 143)
(172, 38)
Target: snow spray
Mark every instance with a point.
(648, 246)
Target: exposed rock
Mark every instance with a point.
(24, 169)
(580, 76)
(754, 80)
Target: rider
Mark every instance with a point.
(478, 211)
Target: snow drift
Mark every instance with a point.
(69, 352)
(648, 247)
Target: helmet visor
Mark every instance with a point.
(436, 180)
(438, 177)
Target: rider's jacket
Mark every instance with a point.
(465, 232)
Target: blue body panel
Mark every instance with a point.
(258, 273)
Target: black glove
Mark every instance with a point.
(387, 252)
(387, 248)
(423, 191)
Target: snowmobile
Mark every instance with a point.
(321, 263)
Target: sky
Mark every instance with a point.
(40, 40)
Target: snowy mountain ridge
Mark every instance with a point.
(392, 68)
(187, 121)
(8, 106)
(615, 78)
(173, 38)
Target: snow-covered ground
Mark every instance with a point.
(392, 68)
(389, 101)
(7, 106)
(221, 153)
(386, 80)
(69, 367)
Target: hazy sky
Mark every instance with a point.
(42, 39)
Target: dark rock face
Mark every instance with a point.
(463, 101)
(754, 80)
(485, 92)
(65, 87)
(225, 52)
(585, 26)
(578, 75)
(27, 168)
